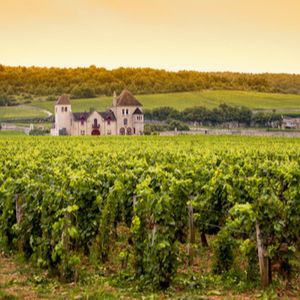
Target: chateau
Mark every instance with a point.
(124, 117)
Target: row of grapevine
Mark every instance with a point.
(62, 200)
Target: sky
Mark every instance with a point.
(205, 35)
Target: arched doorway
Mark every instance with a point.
(95, 132)
(122, 131)
(129, 131)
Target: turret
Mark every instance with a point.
(114, 103)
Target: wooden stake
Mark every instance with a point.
(264, 261)
(191, 234)
(19, 218)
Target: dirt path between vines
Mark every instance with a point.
(14, 280)
(20, 281)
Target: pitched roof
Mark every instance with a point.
(85, 115)
(80, 115)
(108, 114)
(137, 112)
(63, 100)
(127, 99)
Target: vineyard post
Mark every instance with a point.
(191, 240)
(264, 261)
(19, 218)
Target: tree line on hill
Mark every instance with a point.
(24, 84)
(221, 115)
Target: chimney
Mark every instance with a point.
(114, 99)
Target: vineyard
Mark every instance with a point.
(148, 205)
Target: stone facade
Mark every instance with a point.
(124, 117)
(290, 123)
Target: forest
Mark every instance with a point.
(26, 84)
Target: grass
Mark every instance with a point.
(9, 133)
(20, 279)
(180, 101)
(36, 125)
(10, 112)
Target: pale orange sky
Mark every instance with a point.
(204, 35)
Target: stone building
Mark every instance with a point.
(290, 123)
(124, 117)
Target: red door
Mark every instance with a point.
(96, 132)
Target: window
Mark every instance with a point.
(123, 111)
(125, 121)
(66, 109)
(108, 120)
(126, 111)
(62, 108)
(129, 132)
(122, 131)
(82, 120)
(82, 132)
(133, 130)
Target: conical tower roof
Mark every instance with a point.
(63, 100)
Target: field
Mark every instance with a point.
(23, 111)
(181, 101)
(10, 133)
(150, 217)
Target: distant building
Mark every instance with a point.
(124, 117)
(290, 123)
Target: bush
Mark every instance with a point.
(180, 126)
(39, 131)
(169, 126)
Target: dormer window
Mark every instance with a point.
(62, 109)
(66, 109)
(127, 112)
(108, 120)
(96, 125)
(82, 120)
(123, 111)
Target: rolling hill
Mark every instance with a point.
(180, 101)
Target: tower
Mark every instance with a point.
(63, 116)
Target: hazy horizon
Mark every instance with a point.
(198, 35)
(144, 67)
